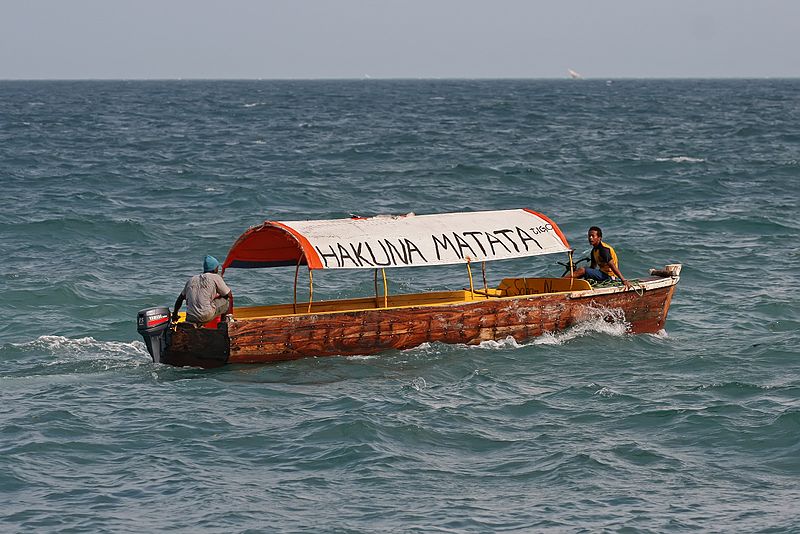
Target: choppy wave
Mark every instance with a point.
(79, 229)
(114, 191)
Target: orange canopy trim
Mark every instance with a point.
(398, 241)
(270, 244)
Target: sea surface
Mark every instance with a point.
(113, 191)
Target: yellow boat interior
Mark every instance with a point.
(508, 288)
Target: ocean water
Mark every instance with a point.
(113, 192)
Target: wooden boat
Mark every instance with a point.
(518, 307)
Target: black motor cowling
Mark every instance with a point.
(153, 324)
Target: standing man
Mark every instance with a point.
(605, 265)
(206, 294)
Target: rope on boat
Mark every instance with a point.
(638, 287)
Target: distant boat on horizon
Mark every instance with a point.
(574, 75)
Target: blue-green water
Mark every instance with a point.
(114, 191)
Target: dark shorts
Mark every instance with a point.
(595, 274)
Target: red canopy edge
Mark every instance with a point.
(553, 223)
(271, 244)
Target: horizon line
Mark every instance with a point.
(368, 78)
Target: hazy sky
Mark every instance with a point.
(398, 39)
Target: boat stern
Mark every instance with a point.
(182, 344)
(153, 324)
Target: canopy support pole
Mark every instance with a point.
(377, 303)
(471, 286)
(310, 288)
(485, 286)
(296, 272)
(571, 269)
(385, 290)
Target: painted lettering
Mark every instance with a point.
(374, 260)
(343, 254)
(401, 253)
(462, 244)
(357, 255)
(412, 248)
(525, 237)
(493, 240)
(542, 229)
(504, 232)
(332, 254)
(445, 244)
(474, 236)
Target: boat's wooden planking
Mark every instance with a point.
(447, 317)
(376, 330)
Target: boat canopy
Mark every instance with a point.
(398, 241)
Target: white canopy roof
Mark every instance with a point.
(400, 241)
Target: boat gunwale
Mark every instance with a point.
(648, 285)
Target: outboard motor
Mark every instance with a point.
(153, 324)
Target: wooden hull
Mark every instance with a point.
(369, 331)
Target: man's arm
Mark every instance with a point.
(618, 273)
(225, 292)
(178, 304)
(222, 288)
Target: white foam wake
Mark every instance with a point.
(682, 159)
(507, 343)
(584, 328)
(60, 345)
(597, 320)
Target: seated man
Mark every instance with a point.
(206, 294)
(604, 265)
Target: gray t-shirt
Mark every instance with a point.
(200, 291)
